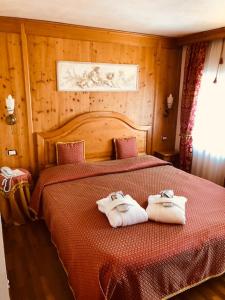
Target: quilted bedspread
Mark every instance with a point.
(147, 261)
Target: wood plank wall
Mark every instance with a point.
(208, 35)
(29, 51)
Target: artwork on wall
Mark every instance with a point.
(96, 77)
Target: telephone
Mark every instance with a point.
(7, 172)
(7, 181)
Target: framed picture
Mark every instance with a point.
(96, 77)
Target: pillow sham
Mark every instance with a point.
(125, 147)
(70, 153)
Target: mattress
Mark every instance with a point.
(144, 261)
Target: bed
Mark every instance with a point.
(141, 262)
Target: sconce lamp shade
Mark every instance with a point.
(170, 101)
(168, 104)
(10, 106)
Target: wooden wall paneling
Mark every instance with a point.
(106, 53)
(148, 85)
(163, 128)
(174, 70)
(50, 107)
(83, 33)
(124, 102)
(41, 85)
(208, 35)
(4, 91)
(76, 32)
(44, 43)
(26, 72)
(168, 72)
(11, 82)
(157, 95)
(5, 84)
(43, 79)
(140, 100)
(10, 25)
(75, 103)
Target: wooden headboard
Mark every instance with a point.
(98, 130)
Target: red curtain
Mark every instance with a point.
(194, 64)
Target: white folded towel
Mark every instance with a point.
(166, 210)
(134, 213)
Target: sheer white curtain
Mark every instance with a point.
(209, 129)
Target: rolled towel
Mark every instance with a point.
(166, 210)
(119, 195)
(133, 215)
(103, 203)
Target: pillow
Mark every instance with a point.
(70, 153)
(126, 147)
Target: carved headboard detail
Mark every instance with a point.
(98, 130)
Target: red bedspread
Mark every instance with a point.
(145, 261)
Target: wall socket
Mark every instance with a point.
(12, 152)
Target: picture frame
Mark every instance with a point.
(96, 77)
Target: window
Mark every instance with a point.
(209, 128)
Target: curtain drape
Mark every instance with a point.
(194, 63)
(208, 132)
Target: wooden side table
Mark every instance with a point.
(170, 156)
(14, 204)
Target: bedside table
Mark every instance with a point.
(14, 203)
(170, 156)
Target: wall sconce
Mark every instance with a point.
(10, 106)
(169, 105)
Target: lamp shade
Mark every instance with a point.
(169, 101)
(10, 104)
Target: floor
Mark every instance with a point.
(35, 273)
(33, 268)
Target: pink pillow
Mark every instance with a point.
(70, 153)
(126, 147)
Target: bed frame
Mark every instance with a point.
(98, 130)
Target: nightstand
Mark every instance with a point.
(170, 156)
(14, 203)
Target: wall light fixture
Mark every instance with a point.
(169, 104)
(10, 106)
